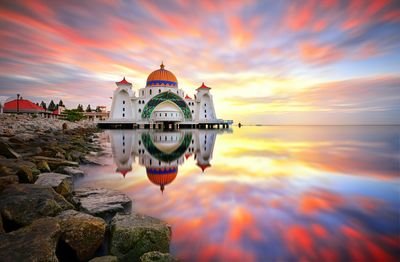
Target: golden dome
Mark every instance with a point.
(162, 77)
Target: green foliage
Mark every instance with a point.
(52, 106)
(73, 115)
(88, 109)
(80, 108)
(43, 104)
(61, 103)
(98, 109)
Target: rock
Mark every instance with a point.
(62, 184)
(43, 166)
(23, 203)
(155, 256)
(104, 259)
(26, 175)
(71, 171)
(64, 126)
(7, 151)
(82, 232)
(25, 170)
(59, 155)
(76, 155)
(101, 202)
(15, 140)
(7, 180)
(1, 226)
(33, 243)
(55, 162)
(133, 235)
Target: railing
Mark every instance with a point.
(167, 116)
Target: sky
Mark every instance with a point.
(267, 62)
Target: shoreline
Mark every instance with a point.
(40, 161)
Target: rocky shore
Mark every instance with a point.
(44, 218)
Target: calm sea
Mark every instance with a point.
(263, 193)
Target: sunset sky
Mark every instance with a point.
(267, 62)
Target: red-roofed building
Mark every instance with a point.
(23, 106)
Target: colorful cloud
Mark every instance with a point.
(58, 49)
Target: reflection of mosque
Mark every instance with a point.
(161, 152)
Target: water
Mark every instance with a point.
(263, 193)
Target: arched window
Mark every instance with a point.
(142, 92)
(123, 115)
(123, 109)
(140, 110)
(123, 102)
(159, 90)
(150, 91)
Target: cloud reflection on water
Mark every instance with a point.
(277, 193)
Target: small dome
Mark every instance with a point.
(162, 176)
(162, 77)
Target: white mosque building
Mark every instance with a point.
(162, 104)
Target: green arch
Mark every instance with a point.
(166, 96)
(166, 157)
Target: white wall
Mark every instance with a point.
(122, 105)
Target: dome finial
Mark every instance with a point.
(162, 65)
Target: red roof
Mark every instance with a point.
(123, 82)
(56, 112)
(123, 171)
(203, 167)
(187, 97)
(204, 86)
(188, 155)
(24, 105)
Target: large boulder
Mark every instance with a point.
(54, 163)
(82, 232)
(6, 181)
(23, 203)
(62, 184)
(101, 202)
(71, 171)
(133, 235)
(156, 256)
(104, 259)
(7, 151)
(33, 243)
(25, 170)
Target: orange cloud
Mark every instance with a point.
(312, 52)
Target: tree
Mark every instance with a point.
(73, 115)
(88, 109)
(80, 108)
(43, 104)
(52, 106)
(37, 104)
(61, 103)
(98, 109)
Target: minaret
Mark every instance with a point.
(205, 106)
(122, 107)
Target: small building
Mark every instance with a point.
(99, 114)
(24, 106)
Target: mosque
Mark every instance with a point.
(161, 153)
(161, 104)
